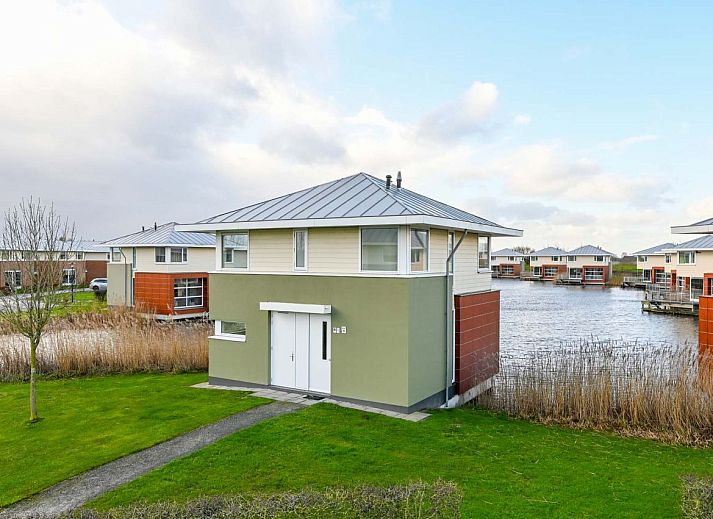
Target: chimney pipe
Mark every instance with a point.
(388, 181)
(143, 228)
(155, 227)
(398, 180)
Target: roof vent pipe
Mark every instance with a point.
(398, 180)
(155, 227)
(143, 228)
(388, 181)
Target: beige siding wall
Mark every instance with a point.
(547, 260)
(199, 260)
(333, 250)
(439, 250)
(651, 261)
(271, 250)
(703, 265)
(589, 262)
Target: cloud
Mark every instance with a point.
(303, 144)
(521, 120)
(628, 141)
(468, 114)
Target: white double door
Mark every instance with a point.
(301, 351)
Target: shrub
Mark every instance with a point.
(697, 501)
(410, 501)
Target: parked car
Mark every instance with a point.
(98, 285)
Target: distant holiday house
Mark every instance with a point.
(506, 263)
(359, 289)
(85, 261)
(548, 263)
(589, 265)
(161, 271)
(651, 263)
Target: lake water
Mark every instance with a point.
(537, 315)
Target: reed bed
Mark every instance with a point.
(656, 391)
(111, 343)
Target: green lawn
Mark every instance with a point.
(90, 421)
(625, 268)
(505, 467)
(84, 302)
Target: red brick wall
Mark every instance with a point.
(707, 283)
(153, 292)
(516, 268)
(705, 324)
(561, 269)
(477, 329)
(95, 269)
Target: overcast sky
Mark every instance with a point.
(579, 124)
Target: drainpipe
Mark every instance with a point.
(449, 299)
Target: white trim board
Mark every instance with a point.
(295, 307)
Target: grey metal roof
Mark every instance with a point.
(549, 251)
(359, 195)
(507, 252)
(657, 249)
(90, 246)
(705, 242)
(163, 235)
(707, 221)
(589, 250)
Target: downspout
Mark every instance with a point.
(449, 299)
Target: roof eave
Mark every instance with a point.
(433, 221)
(138, 245)
(692, 229)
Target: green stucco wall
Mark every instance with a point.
(392, 351)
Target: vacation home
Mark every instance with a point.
(87, 260)
(651, 263)
(548, 263)
(506, 263)
(357, 288)
(589, 265)
(161, 271)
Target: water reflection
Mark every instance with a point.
(536, 316)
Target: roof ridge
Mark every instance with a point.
(377, 182)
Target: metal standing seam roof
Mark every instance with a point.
(549, 251)
(702, 227)
(705, 242)
(355, 196)
(163, 235)
(507, 252)
(657, 249)
(589, 250)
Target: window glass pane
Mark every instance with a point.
(116, 255)
(419, 250)
(483, 252)
(177, 255)
(235, 250)
(232, 328)
(379, 249)
(300, 249)
(160, 254)
(188, 292)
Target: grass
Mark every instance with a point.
(625, 268)
(90, 421)
(85, 302)
(505, 467)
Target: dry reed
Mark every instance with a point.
(115, 342)
(660, 392)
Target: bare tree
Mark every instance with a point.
(36, 244)
(523, 249)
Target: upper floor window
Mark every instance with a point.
(419, 250)
(380, 249)
(534, 258)
(556, 258)
(599, 258)
(160, 254)
(686, 257)
(571, 258)
(300, 249)
(235, 250)
(179, 254)
(510, 258)
(483, 252)
(116, 255)
(668, 258)
(80, 255)
(643, 259)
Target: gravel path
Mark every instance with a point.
(74, 492)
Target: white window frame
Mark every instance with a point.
(229, 336)
(155, 259)
(220, 252)
(549, 269)
(571, 259)
(15, 274)
(398, 249)
(428, 250)
(169, 255)
(80, 256)
(599, 259)
(69, 284)
(294, 250)
(593, 269)
(507, 270)
(667, 258)
(186, 297)
(114, 252)
(691, 255)
(569, 272)
(490, 245)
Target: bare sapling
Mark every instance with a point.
(36, 245)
